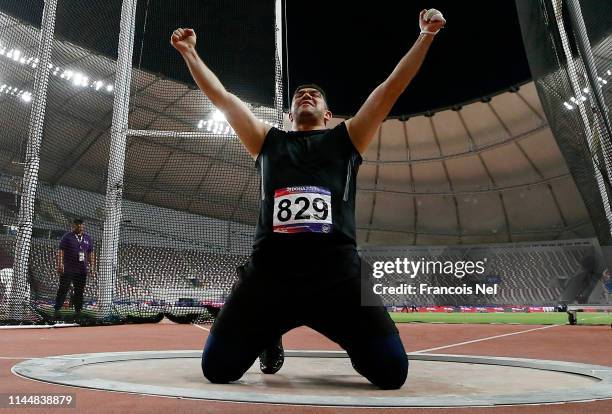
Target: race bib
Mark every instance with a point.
(81, 256)
(302, 209)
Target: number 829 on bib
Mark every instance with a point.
(302, 209)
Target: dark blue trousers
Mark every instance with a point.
(382, 361)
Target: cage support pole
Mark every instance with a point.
(114, 187)
(279, 30)
(29, 184)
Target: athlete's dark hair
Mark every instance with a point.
(312, 86)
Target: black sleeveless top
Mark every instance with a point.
(308, 186)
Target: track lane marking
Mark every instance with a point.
(485, 339)
(201, 327)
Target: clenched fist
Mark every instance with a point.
(183, 39)
(433, 26)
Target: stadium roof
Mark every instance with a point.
(347, 47)
(487, 171)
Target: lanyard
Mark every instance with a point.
(80, 240)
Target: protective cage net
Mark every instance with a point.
(182, 215)
(569, 48)
(171, 204)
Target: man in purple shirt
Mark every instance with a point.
(75, 258)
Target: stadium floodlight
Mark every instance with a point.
(78, 79)
(268, 123)
(218, 116)
(601, 81)
(26, 96)
(216, 124)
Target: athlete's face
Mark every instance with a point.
(78, 228)
(309, 104)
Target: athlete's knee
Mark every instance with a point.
(226, 359)
(218, 373)
(393, 373)
(382, 361)
(219, 365)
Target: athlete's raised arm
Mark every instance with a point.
(249, 129)
(376, 108)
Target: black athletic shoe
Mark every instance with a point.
(272, 358)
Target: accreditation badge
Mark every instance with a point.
(302, 209)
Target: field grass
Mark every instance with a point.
(522, 318)
(88, 313)
(543, 318)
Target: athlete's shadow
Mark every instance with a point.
(339, 382)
